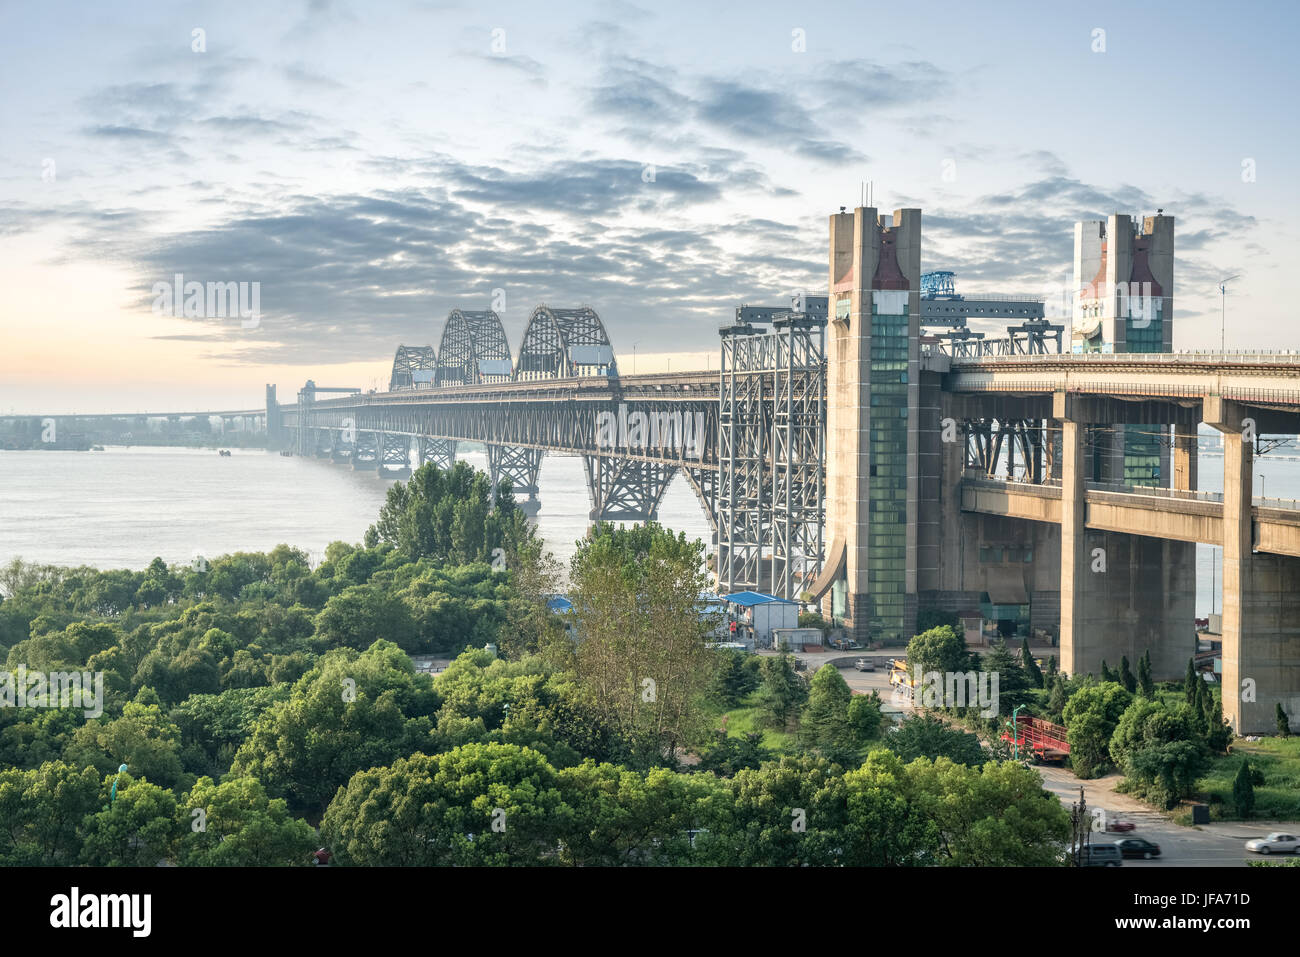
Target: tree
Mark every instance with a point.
(925, 736)
(782, 691)
(826, 717)
(1013, 683)
(1107, 675)
(42, 810)
(449, 516)
(1283, 724)
(142, 738)
(1243, 791)
(1091, 715)
(643, 655)
(1146, 686)
(349, 713)
(1159, 750)
(480, 804)
(622, 817)
(736, 677)
(138, 829)
(1191, 682)
(1053, 669)
(939, 649)
(360, 614)
(996, 815)
(1030, 666)
(1126, 676)
(240, 826)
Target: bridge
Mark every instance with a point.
(845, 454)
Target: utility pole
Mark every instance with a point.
(1223, 308)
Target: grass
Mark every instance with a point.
(747, 719)
(1277, 799)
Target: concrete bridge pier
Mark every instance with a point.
(625, 490)
(1261, 593)
(1122, 594)
(516, 467)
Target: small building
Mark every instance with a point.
(797, 639)
(755, 615)
(559, 605)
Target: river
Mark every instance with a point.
(122, 507)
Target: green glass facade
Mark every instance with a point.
(1142, 443)
(887, 564)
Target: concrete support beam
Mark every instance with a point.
(1185, 464)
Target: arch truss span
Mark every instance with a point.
(473, 350)
(562, 343)
(414, 367)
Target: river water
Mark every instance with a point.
(122, 507)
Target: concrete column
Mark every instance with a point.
(1185, 457)
(1261, 596)
(1074, 550)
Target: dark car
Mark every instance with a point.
(1136, 847)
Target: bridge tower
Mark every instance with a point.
(873, 363)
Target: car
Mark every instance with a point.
(1099, 855)
(1120, 826)
(1277, 842)
(1137, 847)
(862, 664)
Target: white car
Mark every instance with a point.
(1282, 843)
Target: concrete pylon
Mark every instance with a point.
(873, 393)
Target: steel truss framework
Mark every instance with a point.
(563, 395)
(395, 451)
(469, 338)
(771, 454)
(625, 490)
(515, 467)
(1027, 439)
(548, 347)
(409, 360)
(441, 452)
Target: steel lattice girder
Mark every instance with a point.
(367, 446)
(467, 339)
(623, 490)
(547, 349)
(396, 450)
(441, 452)
(408, 360)
(516, 467)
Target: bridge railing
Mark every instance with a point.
(978, 477)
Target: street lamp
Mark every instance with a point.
(1223, 307)
(634, 345)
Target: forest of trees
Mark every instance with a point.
(264, 708)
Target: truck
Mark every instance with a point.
(1035, 736)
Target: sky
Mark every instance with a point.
(373, 166)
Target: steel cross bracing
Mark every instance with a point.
(473, 349)
(441, 452)
(625, 490)
(771, 454)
